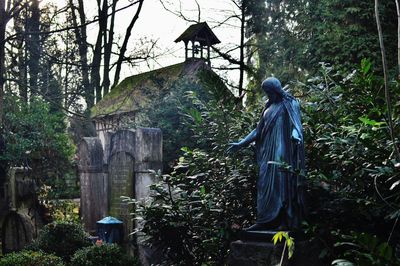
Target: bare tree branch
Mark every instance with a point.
(231, 59)
(199, 11)
(180, 13)
(71, 27)
(125, 43)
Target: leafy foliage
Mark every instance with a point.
(196, 210)
(36, 138)
(105, 255)
(168, 113)
(289, 242)
(365, 249)
(345, 118)
(62, 239)
(289, 39)
(349, 151)
(30, 258)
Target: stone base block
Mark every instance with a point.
(252, 253)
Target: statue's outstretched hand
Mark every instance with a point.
(233, 147)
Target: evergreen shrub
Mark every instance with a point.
(61, 238)
(105, 255)
(31, 258)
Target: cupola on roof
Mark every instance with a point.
(199, 32)
(198, 39)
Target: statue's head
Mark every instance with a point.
(273, 88)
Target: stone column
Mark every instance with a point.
(121, 176)
(106, 142)
(148, 159)
(94, 183)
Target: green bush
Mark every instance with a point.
(352, 170)
(30, 258)
(197, 210)
(104, 255)
(36, 137)
(352, 174)
(63, 239)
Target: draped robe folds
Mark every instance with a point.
(280, 192)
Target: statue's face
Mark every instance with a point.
(271, 86)
(272, 96)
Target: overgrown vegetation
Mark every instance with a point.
(62, 239)
(105, 255)
(36, 138)
(31, 258)
(198, 208)
(351, 164)
(352, 173)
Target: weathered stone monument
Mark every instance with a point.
(122, 165)
(94, 182)
(20, 219)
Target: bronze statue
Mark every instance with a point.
(280, 157)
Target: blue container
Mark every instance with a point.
(110, 230)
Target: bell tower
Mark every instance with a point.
(198, 39)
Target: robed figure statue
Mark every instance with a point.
(280, 156)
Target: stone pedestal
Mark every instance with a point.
(121, 174)
(258, 249)
(93, 181)
(255, 254)
(148, 159)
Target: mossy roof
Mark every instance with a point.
(137, 92)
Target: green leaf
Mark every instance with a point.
(277, 237)
(385, 251)
(195, 115)
(395, 184)
(370, 122)
(202, 190)
(342, 262)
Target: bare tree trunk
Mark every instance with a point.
(241, 59)
(398, 37)
(385, 76)
(80, 33)
(125, 44)
(20, 24)
(6, 13)
(4, 18)
(95, 69)
(108, 50)
(33, 45)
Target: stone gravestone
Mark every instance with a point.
(21, 222)
(121, 165)
(125, 169)
(148, 159)
(94, 183)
